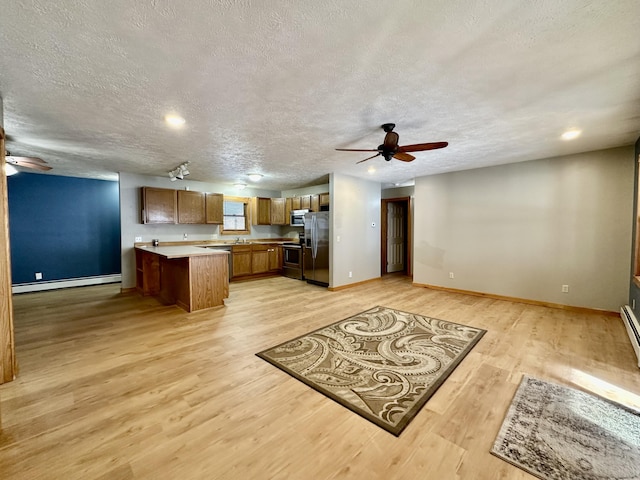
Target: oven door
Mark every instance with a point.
(292, 256)
(292, 261)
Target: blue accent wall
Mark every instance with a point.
(64, 227)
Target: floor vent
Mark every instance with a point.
(633, 328)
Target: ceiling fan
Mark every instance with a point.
(390, 148)
(27, 162)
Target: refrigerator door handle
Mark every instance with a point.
(315, 237)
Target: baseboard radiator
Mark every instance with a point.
(633, 328)
(72, 282)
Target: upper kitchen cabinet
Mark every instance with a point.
(214, 205)
(159, 205)
(295, 203)
(191, 207)
(279, 211)
(315, 203)
(324, 199)
(305, 202)
(262, 211)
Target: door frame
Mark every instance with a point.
(384, 210)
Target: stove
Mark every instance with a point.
(292, 261)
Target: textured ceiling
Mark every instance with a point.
(274, 87)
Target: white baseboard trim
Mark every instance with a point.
(74, 282)
(633, 328)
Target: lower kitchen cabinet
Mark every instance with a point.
(275, 258)
(241, 258)
(259, 259)
(147, 273)
(256, 259)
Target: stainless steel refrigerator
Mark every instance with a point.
(316, 248)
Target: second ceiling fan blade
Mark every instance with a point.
(374, 156)
(357, 150)
(405, 157)
(418, 147)
(28, 162)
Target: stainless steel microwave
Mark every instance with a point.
(297, 218)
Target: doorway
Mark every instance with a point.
(396, 235)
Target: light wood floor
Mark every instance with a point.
(121, 387)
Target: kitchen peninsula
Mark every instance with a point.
(193, 278)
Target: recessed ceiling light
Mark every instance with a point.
(240, 186)
(174, 120)
(571, 134)
(254, 177)
(371, 170)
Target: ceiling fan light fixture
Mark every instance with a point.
(255, 177)
(240, 186)
(571, 134)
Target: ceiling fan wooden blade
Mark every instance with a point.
(26, 159)
(418, 147)
(29, 162)
(405, 157)
(356, 150)
(377, 154)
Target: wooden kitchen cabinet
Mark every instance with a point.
(256, 259)
(241, 259)
(159, 205)
(287, 211)
(191, 207)
(295, 203)
(275, 258)
(315, 203)
(278, 211)
(214, 208)
(147, 273)
(324, 199)
(259, 259)
(262, 211)
(305, 202)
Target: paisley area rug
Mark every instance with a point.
(382, 364)
(556, 432)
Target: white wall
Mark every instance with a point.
(355, 205)
(131, 226)
(297, 192)
(524, 230)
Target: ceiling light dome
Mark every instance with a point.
(571, 134)
(255, 177)
(174, 120)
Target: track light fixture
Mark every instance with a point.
(179, 172)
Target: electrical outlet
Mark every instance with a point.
(350, 274)
(450, 274)
(184, 235)
(138, 239)
(565, 288)
(38, 275)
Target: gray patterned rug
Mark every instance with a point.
(556, 432)
(383, 364)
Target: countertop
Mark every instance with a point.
(181, 251)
